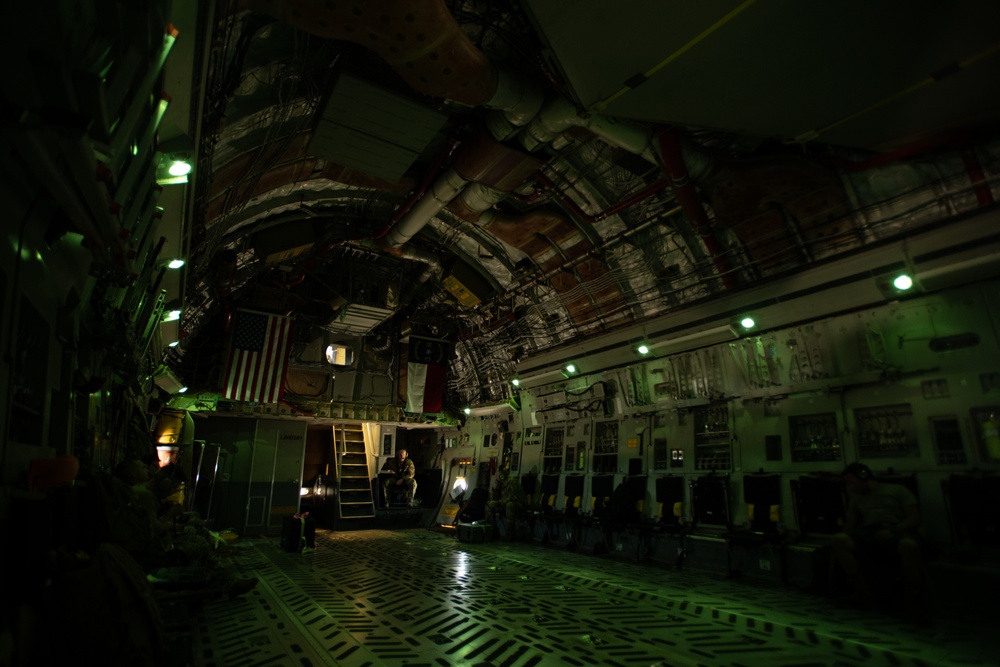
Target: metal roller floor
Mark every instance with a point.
(418, 597)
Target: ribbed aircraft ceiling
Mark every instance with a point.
(514, 177)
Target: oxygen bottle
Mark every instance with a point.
(991, 436)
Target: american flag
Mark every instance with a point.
(258, 355)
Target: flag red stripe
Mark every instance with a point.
(434, 388)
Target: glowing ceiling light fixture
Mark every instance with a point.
(172, 170)
(175, 263)
(642, 349)
(172, 316)
(467, 410)
(571, 368)
(516, 382)
(182, 390)
(179, 168)
(174, 344)
(748, 322)
(896, 284)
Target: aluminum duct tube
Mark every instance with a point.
(443, 191)
(559, 114)
(478, 200)
(518, 98)
(634, 138)
(480, 197)
(432, 261)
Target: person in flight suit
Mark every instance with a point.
(881, 519)
(401, 473)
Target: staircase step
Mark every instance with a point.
(360, 511)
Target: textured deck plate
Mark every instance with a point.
(415, 597)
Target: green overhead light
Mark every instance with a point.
(570, 368)
(902, 282)
(748, 322)
(642, 349)
(172, 316)
(896, 284)
(516, 382)
(175, 263)
(467, 411)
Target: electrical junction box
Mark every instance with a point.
(282, 243)
(466, 285)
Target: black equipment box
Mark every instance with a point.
(475, 532)
(298, 532)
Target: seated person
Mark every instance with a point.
(161, 494)
(132, 472)
(399, 472)
(881, 518)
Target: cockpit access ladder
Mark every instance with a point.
(355, 490)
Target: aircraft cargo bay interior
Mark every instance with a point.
(535, 332)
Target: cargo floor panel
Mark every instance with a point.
(409, 597)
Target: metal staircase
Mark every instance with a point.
(355, 497)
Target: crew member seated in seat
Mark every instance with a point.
(882, 520)
(401, 472)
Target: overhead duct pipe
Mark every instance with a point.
(517, 101)
(559, 114)
(432, 263)
(442, 192)
(476, 203)
(425, 183)
(481, 159)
